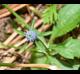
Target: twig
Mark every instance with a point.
(31, 65)
(15, 40)
(4, 12)
(14, 34)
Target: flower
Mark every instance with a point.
(31, 36)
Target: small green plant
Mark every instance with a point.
(46, 51)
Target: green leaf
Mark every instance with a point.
(20, 32)
(38, 59)
(69, 49)
(46, 33)
(49, 14)
(55, 62)
(32, 23)
(24, 47)
(68, 19)
(76, 67)
(40, 47)
(42, 39)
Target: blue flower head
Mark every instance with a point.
(31, 36)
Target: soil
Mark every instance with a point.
(5, 28)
